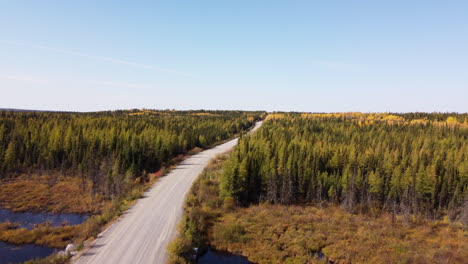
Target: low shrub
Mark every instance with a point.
(271, 234)
(43, 234)
(231, 233)
(52, 259)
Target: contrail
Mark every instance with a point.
(108, 59)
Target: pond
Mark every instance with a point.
(217, 257)
(28, 220)
(10, 253)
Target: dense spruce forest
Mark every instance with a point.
(109, 148)
(415, 163)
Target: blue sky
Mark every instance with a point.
(324, 56)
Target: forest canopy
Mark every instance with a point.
(403, 163)
(109, 147)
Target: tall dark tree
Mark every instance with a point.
(109, 148)
(406, 163)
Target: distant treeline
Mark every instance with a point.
(109, 147)
(404, 163)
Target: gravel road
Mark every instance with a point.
(142, 234)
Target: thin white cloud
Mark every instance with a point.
(108, 59)
(15, 77)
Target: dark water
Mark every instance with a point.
(216, 257)
(10, 253)
(28, 220)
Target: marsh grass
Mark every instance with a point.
(52, 259)
(268, 233)
(48, 194)
(42, 234)
(293, 234)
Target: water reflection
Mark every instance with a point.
(10, 253)
(28, 220)
(216, 257)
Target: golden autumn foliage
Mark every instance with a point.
(371, 118)
(204, 114)
(274, 116)
(145, 112)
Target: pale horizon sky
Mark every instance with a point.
(327, 56)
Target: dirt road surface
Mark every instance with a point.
(142, 234)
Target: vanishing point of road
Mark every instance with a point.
(142, 234)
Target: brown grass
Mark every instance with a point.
(52, 259)
(297, 234)
(42, 234)
(292, 234)
(59, 237)
(41, 193)
(67, 195)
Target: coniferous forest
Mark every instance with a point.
(109, 148)
(414, 163)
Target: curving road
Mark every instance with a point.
(142, 234)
